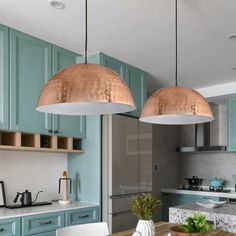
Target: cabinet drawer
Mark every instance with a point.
(42, 223)
(10, 227)
(82, 216)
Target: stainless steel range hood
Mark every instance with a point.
(207, 135)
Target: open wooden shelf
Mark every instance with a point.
(45, 141)
(27, 140)
(38, 142)
(62, 143)
(8, 138)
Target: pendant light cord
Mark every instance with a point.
(176, 43)
(86, 32)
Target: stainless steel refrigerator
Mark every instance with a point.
(126, 168)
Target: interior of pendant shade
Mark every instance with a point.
(86, 108)
(177, 119)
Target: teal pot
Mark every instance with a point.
(216, 183)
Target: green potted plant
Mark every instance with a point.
(195, 226)
(143, 206)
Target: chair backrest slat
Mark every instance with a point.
(91, 229)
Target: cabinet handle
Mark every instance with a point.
(56, 132)
(45, 222)
(1, 229)
(50, 131)
(84, 216)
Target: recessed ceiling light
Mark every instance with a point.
(232, 36)
(58, 4)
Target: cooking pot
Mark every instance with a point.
(194, 181)
(216, 182)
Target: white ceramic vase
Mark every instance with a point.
(145, 228)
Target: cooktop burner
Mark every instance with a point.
(219, 191)
(190, 188)
(33, 205)
(205, 190)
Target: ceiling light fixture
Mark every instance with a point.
(176, 105)
(85, 89)
(58, 4)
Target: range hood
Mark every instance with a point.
(207, 135)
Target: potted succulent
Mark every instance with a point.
(143, 206)
(195, 226)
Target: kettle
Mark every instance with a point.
(26, 198)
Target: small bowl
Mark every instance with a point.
(177, 231)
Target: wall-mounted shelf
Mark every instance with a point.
(38, 142)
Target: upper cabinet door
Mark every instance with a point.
(30, 68)
(66, 125)
(115, 65)
(4, 78)
(137, 80)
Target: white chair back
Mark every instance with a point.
(92, 229)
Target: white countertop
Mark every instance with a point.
(10, 213)
(232, 194)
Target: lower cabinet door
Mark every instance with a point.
(82, 216)
(43, 223)
(10, 227)
(167, 202)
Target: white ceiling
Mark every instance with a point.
(140, 33)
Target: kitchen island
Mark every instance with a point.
(162, 229)
(222, 217)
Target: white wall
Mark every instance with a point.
(33, 171)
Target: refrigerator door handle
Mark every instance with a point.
(120, 213)
(117, 196)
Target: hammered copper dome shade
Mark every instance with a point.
(176, 105)
(85, 89)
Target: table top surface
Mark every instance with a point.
(162, 229)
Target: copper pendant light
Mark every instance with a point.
(85, 89)
(176, 105)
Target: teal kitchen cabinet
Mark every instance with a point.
(4, 78)
(114, 64)
(137, 81)
(30, 68)
(135, 78)
(43, 223)
(61, 124)
(32, 63)
(166, 204)
(46, 224)
(231, 109)
(82, 216)
(184, 199)
(10, 227)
